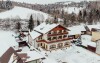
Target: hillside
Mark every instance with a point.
(23, 13)
(45, 1)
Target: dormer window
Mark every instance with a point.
(60, 31)
(54, 32)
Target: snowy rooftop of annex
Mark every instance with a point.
(44, 28)
(93, 26)
(34, 34)
(86, 40)
(6, 40)
(33, 55)
(76, 29)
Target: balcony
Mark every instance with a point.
(55, 34)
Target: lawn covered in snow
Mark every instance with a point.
(23, 13)
(73, 54)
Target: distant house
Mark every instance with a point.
(96, 38)
(9, 56)
(22, 38)
(50, 36)
(76, 31)
(91, 28)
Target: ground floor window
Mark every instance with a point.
(66, 43)
(52, 46)
(60, 45)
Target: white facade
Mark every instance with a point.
(98, 47)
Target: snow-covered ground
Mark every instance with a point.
(23, 13)
(73, 54)
(46, 1)
(70, 10)
(6, 40)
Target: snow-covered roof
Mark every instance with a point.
(34, 34)
(76, 29)
(6, 40)
(86, 40)
(93, 26)
(17, 12)
(33, 55)
(44, 28)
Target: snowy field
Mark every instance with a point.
(45, 1)
(23, 13)
(70, 10)
(73, 54)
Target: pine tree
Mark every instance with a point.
(38, 22)
(62, 14)
(18, 26)
(80, 14)
(80, 20)
(64, 22)
(73, 18)
(55, 19)
(90, 18)
(31, 23)
(84, 14)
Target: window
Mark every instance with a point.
(60, 45)
(66, 44)
(60, 31)
(49, 38)
(49, 33)
(41, 44)
(54, 32)
(60, 37)
(54, 38)
(40, 38)
(52, 46)
(70, 36)
(64, 36)
(64, 30)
